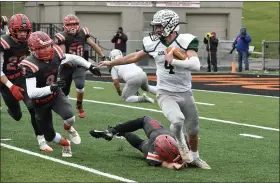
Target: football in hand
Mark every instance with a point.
(178, 53)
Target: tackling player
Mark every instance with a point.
(134, 78)
(173, 79)
(72, 41)
(13, 50)
(40, 70)
(159, 147)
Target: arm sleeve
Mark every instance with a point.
(2, 62)
(191, 63)
(114, 73)
(205, 40)
(33, 91)
(76, 60)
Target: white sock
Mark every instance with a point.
(134, 99)
(195, 154)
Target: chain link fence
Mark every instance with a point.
(270, 55)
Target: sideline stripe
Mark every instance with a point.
(205, 118)
(91, 170)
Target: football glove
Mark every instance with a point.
(17, 92)
(94, 70)
(58, 85)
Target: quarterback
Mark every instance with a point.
(174, 94)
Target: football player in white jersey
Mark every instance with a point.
(134, 78)
(174, 94)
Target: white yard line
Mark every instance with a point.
(250, 135)
(200, 103)
(5, 139)
(232, 93)
(205, 118)
(91, 170)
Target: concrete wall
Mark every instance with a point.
(54, 12)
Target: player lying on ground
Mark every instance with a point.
(13, 49)
(40, 70)
(160, 149)
(134, 78)
(72, 40)
(174, 78)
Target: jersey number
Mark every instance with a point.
(13, 63)
(170, 67)
(50, 80)
(76, 50)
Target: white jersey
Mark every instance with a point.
(180, 81)
(125, 72)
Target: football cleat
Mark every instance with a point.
(200, 163)
(66, 151)
(43, 144)
(185, 154)
(74, 135)
(148, 99)
(107, 135)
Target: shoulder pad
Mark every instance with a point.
(29, 66)
(59, 51)
(184, 40)
(60, 36)
(149, 45)
(86, 31)
(4, 43)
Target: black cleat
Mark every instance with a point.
(107, 135)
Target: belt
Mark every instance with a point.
(14, 75)
(45, 100)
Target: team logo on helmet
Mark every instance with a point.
(41, 45)
(71, 24)
(166, 147)
(18, 23)
(164, 23)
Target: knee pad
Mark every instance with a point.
(50, 135)
(70, 121)
(80, 90)
(80, 84)
(192, 127)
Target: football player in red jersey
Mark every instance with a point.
(13, 49)
(72, 40)
(41, 70)
(160, 149)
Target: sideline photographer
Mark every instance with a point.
(120, 40)
(211, 42)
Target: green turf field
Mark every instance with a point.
(233, 158)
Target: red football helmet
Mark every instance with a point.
(166, 147)
(71, 24)
(41, 45)
(20, 22)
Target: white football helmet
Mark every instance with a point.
(115, 54)
(168, 19)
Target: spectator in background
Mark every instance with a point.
(211, 42)
(4, 25)
(120, 39)
(86, 52)
(241, 43)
